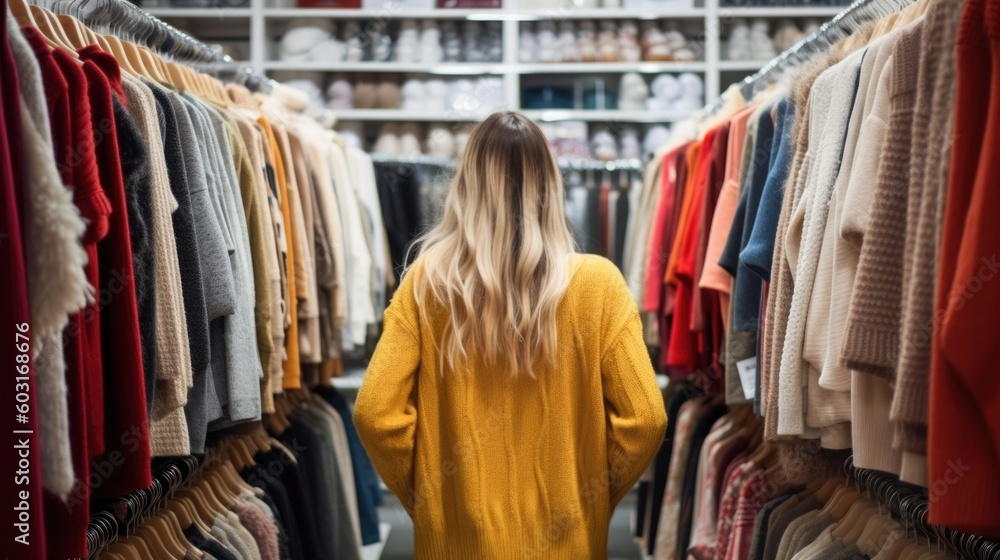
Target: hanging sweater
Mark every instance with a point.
(831, 105)
(780, 290)
(56, 275)
(507, 503)
(929, 160)
(964, 431)
(175, 347)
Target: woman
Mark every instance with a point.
(510, 403)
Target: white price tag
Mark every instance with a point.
(748, 376)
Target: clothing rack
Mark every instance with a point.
(127, 20)
(840, 26)
(564, 164)
(120, 516)
(909, 504)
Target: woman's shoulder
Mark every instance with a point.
(588, 269)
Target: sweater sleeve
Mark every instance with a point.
(636, 417)
(385, 412)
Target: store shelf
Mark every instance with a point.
(555, 115)
(779, 12)
(451, 69)
(606, 67)
(203, 13)
(374, 550)
(484, 14)
(404, 116)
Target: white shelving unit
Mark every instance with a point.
(262, 22)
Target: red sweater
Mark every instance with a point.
(69, 520)
(23, 490)
(964, 424)
(126, 421)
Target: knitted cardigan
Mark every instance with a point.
(929, 160)
(871, 342)
(831, 104)
(780, 290)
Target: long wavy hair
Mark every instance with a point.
(498, 259)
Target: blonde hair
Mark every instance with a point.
(497, 260)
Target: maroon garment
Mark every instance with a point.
(23, 488)
(126, 420)
(72, 146)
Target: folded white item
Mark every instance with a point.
(691, 85)
(329, 50)
(414, 95)
(436, 96)
(340, 95)
(632, 92)
(298, 40)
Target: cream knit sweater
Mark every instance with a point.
(780, 291)
(830, 107)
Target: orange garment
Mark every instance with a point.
(713, 276)
(293, 375)
(682, 348)
(692, 157)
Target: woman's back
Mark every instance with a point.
(492, 464)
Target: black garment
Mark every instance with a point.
(186, 237)
(311, 488)
(277, 475)
(136, 178)
(681, 395)
(760, 523)
(698, 435)
(640, 507)
(399, 197)
(365, 479)
(205, 544)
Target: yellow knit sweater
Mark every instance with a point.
(496, 466)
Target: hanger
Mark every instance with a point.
(166, 535)
(175, 527)
(125, 550)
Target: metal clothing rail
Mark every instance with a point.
(909, 504)
(828, 34)
(127, 21)
(636, 165)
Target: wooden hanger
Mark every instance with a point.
(166, 536)
(897, 550)
(140, 546)
(152, 540)
(180, 513)
(826, 492)
(175, 526)
(858, 514)
(204, 516)
(195, 514)
(125, 550)
(214, 503)
(868, 542)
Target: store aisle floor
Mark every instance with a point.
(400, 543)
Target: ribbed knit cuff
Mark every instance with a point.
(910, 437)
(871, 350)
